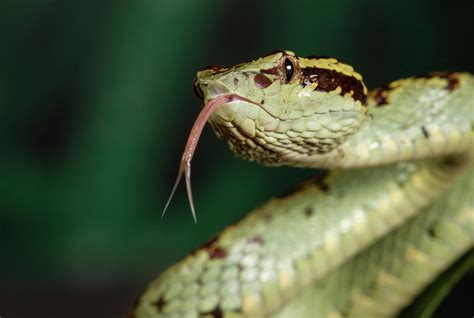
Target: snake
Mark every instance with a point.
(390, 210)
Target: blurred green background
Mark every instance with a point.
(95, 106)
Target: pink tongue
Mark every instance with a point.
(185, 166)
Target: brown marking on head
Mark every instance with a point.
(321, 181)
(451, 77)
(329, 80)
(273, 71)
(309, 211)
(160, 304)
(261, 81)
(257, 239)
(217, 253)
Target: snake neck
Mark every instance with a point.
(408, 120)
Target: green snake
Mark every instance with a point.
(362, 240)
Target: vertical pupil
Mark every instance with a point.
(289, 69)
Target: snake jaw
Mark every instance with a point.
(190, 148)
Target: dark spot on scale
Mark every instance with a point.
(257, 239)
(321, 181)
(425, 132)
(217, 253)
(452, 84)
(453, 161)
(236, 81)
(215, 313)
(160, 304)
(432, 232)
(214, 251)
(261, 81)
(309, 211)
(329, 80)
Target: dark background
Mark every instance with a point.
(95, 105)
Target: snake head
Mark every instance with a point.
(277, 109)
(291, 106)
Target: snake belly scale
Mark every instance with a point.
(362, 240)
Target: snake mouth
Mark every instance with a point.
(191, 144)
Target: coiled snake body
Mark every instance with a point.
(360, 241)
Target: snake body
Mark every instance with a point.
(359, 241)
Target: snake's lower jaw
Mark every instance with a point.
(274, 142)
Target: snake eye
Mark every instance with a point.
(289, 69)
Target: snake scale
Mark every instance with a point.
(392, 210)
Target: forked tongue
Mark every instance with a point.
(185, 166)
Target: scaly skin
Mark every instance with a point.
(354, 243)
